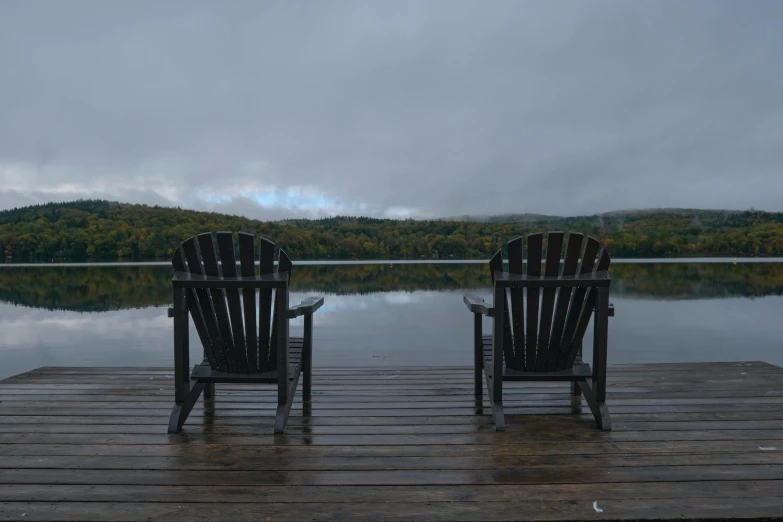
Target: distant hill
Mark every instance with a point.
(106, 230)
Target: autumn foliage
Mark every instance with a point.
(102, 230)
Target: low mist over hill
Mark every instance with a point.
(105, 230)
(633, 214)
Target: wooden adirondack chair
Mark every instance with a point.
(539, 336)
(242, 343)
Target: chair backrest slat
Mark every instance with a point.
(605, 261)
(283, 265)
(178, 262)
(534, 253)
(580, 310)
(554, 249)
(517, 306)
(266, 251)
(570, 264)
(207, 246)
(247, 268)
(215, 357)
(228, 264)
(584, 320)
(496, 265)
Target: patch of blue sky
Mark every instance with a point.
(291, 198)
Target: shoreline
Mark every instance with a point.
(675, 260)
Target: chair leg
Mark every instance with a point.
(307, 359)
(495, 367)
(595, 392)
(478, 357)
(307, 385)
(574, 385)
(180, 412)
(599, 408)
(498, 417)
(576, 398)
(209, 389)
(281, 416)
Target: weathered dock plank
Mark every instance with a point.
(689, 441)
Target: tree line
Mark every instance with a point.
(101, 230)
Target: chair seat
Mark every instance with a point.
(204, 373)
(577, 372)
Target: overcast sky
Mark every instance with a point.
(395, 108)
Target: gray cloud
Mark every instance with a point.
(274, 109)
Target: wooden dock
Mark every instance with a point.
(695, 441)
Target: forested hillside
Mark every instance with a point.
(103, 230)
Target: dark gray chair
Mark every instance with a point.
(539, 320)
(242, 343)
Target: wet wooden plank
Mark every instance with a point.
(670, 508)
(287, 463)
(341, 395)
(614, 374)
(697, 441)
(218, 428)
(657, 384)
(394, 494)
(240, 451)
(303, 418)
(321, 408)
(200, 434)
(605, 474)
(32, 407)
(360, 371)
(522, 411)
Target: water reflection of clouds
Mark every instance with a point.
(733, 329)
(34, 337)
(35, 321)
(421, 328)
(402, 297)
(347, 303)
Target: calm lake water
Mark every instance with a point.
(405, 315)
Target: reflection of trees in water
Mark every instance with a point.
(85, 288)
(366, 279)
(102, 288)
(697, 280)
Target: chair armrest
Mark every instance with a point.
(477, 305)
(306, 307)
